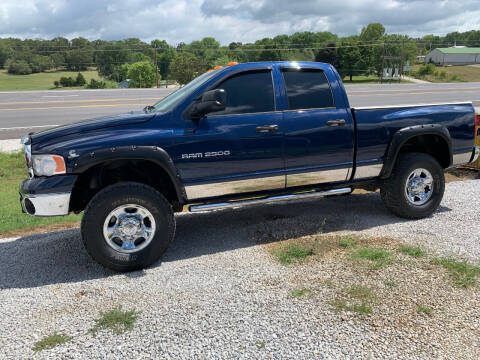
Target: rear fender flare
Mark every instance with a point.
(407, 133)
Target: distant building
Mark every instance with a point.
(454, 56)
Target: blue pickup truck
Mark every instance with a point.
(244, 134)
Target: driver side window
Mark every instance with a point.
(248, 92)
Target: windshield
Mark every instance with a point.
(168, 102)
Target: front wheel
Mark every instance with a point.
(127, 226)
(415, 188)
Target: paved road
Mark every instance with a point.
(25, 111)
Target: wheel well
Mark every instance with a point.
(100, 176)
(433, 145)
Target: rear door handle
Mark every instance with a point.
(336, 122)
(266, 128)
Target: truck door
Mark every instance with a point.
(319, 132)
(239, 149)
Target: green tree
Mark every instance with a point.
(80, 80)
(78, 59)
(141, 74)
(349, 59)
(186, 67)
(328, 55)
(19, 67)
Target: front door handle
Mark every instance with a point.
(266, 128)
(337, 122)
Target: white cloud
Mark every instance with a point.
(228, 20)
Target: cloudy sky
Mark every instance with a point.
(228, 20)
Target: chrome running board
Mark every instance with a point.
(266, 200)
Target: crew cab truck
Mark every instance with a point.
(244, 134)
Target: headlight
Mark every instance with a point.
(48, 165)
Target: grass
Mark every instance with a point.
(390, 283)
(293, 253)
(463, 274)
(463, 73)
(413, 251)
(370, 79)
(116, 320)
(44, 80)
(298, 293)
(356, 298)
(260, 344)
(347, 242)
(49, 342)
(12, 173)
(378, 257)
(424, 309)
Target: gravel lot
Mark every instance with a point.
(219, 294)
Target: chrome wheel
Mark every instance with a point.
(129, 228)
(419, 186)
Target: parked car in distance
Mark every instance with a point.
(240, 135)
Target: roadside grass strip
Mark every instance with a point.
(463, 274)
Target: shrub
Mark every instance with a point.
(427, 69)
(20, 67)
(80, 80)
(442, 74)
(67, 81)
(56, 83)
(96, 84)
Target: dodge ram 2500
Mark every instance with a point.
(244, 134)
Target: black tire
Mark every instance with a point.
(393, 189)
(111, 198)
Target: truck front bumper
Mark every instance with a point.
(47, 196)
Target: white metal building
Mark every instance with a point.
(454, 56)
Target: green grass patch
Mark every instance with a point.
(260, 344)
(347, 242)
(463, 274)
(356, 298)
(377, 257)
(370, 79)
(116, 320)
(424, 309)
(293, 253)
(49, 342)
(12, 172)
(298, 293)
(44, 80)
(461, 73)
(390, 283)
(413, 251)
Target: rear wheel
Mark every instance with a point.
(415, 188)
(128, 226)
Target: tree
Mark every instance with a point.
(78, 59)
(185, 67)
(80, 80)
(349, 58)
(328, 55)
(141, 74)
(372, 32)
(20, 67)
(67, 81)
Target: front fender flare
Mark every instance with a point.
(151, 153)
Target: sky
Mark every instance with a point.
(229, 20)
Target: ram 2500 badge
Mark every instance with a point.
(239, 135)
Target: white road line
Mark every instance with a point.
(58, 96)
(27, 127)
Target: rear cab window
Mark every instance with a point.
(307, 89)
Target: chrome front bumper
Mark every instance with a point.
(45, 204)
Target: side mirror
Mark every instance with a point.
(213, 100)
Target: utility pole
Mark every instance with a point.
(156, 67)
(401, 61)
(383, 62)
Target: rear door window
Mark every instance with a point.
(307, 89)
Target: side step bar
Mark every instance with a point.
(271, 199)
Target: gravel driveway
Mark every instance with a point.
(217, 293)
